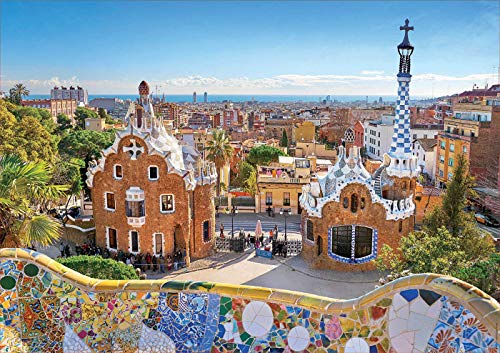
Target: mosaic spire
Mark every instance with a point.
(400, 161)
(401, 139)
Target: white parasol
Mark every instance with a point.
(258, 229)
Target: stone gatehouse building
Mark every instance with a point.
(349, 213)
(151, 194)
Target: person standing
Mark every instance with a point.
(148, 261)
(155, 263)
(61, 249)
(169, 262)
(161, 262)
(276, 231)
(67, 251)
(221, 228)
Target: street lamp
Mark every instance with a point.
(285, 212)
(232, 212)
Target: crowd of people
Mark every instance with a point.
(144, 262)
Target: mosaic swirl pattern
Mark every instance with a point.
(45, 307)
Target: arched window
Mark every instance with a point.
(346, 202)
(411, 185)
(362, 203)
(400, 226)
(354, 203)
(403, 185)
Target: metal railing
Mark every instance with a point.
(231, 244)
(287, 180)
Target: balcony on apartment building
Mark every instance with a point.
(281, 175)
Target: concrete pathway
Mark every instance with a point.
(291, 274)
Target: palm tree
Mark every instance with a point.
(220, 152)
(24, 188)
(17, 92)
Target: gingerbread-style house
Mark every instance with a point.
(149, 192)
(349, 213)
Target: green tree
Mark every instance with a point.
(108, 118)
(220, 152)
(17, 93)
(251, 182)
(450, 242)
(42, 115)
(263, 155)
(422, 252)
(82, 113)
(24, 187)
(97, 267)
(7, 125)
(484, 274)
(452, 213)
(25, 136)
(33, 142)
(284, 139)
(102, 113)
(71, 173)
(84, 144)
(63, 123)
(243, 170)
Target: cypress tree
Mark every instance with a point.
(284, 139)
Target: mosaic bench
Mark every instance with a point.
(46, 307)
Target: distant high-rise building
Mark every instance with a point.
(328, 98)
(205, 97)
(78, 93)
(380, 100)
(194, 97)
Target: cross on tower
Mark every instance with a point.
(406, 28)
(134, 149)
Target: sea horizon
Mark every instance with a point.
(237, 98)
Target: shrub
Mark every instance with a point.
(97, 267)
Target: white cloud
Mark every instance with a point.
(371, 72)
(369, 82)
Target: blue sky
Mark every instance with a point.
(328, 47)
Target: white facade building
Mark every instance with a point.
(425, 149)
(378, 135)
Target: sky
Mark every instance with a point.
(247, 47)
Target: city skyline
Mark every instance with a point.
(291, 48)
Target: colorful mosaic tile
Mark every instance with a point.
(41, 311)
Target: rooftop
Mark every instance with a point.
(427, 144)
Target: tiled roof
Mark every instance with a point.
(427, 144)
